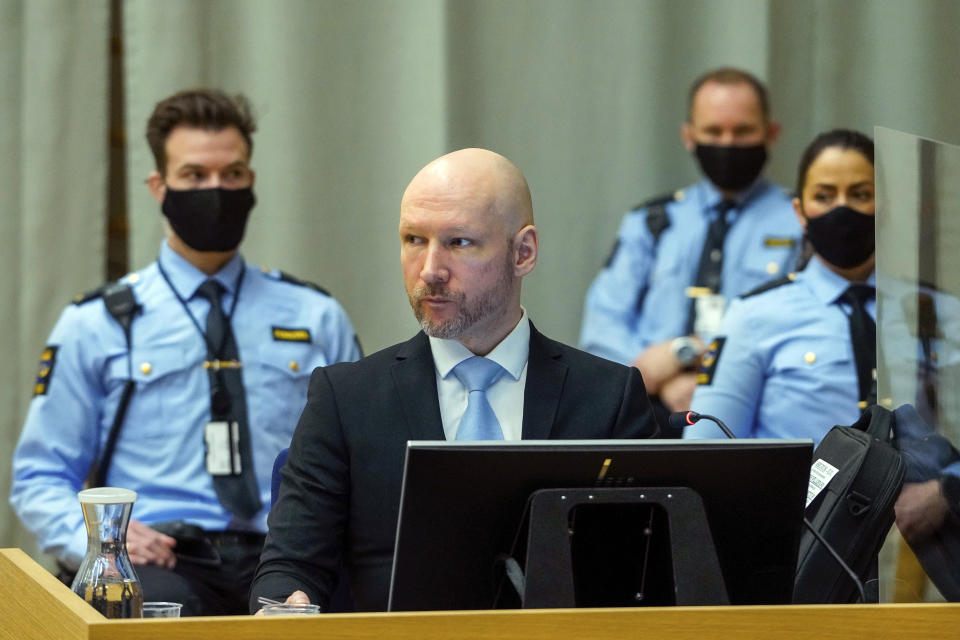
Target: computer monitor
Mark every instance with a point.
(464, 509)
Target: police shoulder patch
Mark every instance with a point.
(773, 284)
(708, 365)
(286, 277)
(47, 359)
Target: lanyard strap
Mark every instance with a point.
(229, 316)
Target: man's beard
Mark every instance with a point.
(469, 313)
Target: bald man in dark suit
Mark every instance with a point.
(467, 240)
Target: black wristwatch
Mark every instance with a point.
(686, 351)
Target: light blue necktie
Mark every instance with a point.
(478, 422)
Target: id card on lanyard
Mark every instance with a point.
(709, 314)
(221, 437)
(223, 448)
(708, 308)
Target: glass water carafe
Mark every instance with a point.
(106, 578)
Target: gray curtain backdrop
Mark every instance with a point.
(53, 187)
(586, 96)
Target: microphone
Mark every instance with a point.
(682, 419)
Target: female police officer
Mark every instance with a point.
(798, 355)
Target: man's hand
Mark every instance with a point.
(658, 365)
(677, 392)
(148, 546)
(920, 509)
(297, 597)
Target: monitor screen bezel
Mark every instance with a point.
(754, 490)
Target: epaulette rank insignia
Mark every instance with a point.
(773, 284)
(612, 255)
(93, 294)
(286, 277)
(89, 295)
(676, 196)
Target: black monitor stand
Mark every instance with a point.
(616, 547)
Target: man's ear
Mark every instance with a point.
(526, 246)
(157, 187)
(773, 132)
(686, 134)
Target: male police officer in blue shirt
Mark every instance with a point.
(679, 258)
(220, 354)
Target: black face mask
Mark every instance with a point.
(844, 237)
(731, 168)
(209, 219)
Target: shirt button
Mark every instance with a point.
(294, 366)
(146, 368)
(810, 357)
(772, 268)
(133, 278)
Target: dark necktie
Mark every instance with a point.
(863, 334)
(238, 494)
(710, 267)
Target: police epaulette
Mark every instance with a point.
(773, 284)
(286, 277)
(91, 295)
(662, 199)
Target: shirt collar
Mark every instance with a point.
(511, 353)
(712, 196)
(186, 278)
(826, 285)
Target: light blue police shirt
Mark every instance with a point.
(640, 297)
(782, 365)
(283, 330)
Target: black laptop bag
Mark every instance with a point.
(853, 511)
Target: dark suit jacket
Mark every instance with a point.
(341, 486)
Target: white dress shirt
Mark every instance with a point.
(505, 395)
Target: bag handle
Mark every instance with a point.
(876, 421)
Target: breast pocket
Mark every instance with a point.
(667, 269)
(774, 258)
(812, 364)
(282, 371)
(167, 379)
